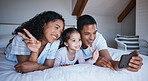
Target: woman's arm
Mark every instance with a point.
(29, 66)
(22, 58)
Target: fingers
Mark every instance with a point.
(91, 49)
(23, 36)
(29, 34)
(103, 63)
(32, 42)
(137, 58)
(18, 68)
(135, 64)
(132, 69)
(109, 64)
(65, 65)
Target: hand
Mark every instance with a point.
(32, 43)
(95, 54)
(26, 67)
(65, 65)
(115, 65)
(135, 64)
(101, 61)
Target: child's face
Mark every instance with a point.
(52, 30)
(74, 42)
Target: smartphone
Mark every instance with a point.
(125, 60)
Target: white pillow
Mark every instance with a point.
(4, 39)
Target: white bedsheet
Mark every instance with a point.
(79, 72)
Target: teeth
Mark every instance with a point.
(90, 41)
(54, 37)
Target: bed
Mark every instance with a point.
(78, 72)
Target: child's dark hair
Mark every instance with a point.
(66, 35)
(36, 25)
(85, 20)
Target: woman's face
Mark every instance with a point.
(53, 30)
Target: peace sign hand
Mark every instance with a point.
(32, 43)
(95, 54)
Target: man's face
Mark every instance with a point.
(88, 34)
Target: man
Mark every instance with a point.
(86, 24)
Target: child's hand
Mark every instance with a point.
(95, 54)
(32, 43)
(65, 65)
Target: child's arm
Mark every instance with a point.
(81, 59)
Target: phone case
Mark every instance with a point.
(125, 60)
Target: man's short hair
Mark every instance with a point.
(85, 20)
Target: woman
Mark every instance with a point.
(36, 42)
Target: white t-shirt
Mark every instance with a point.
(99, 43)
(62, 58)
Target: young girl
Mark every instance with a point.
(70, 53)
(36, 42)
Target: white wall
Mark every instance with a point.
(107, 22)
(142, 19)
(108, 27)
(128, 25)
(18, 11)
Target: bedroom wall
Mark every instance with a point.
(142, 19)
(19, 11)
(128, 25)
(109, 27)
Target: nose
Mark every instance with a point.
(58, 33)
(91, 37)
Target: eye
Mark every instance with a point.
(95, 32)
(73, 40)
(86, 33)
(57, 27)
(79, 39)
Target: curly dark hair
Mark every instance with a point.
(85, 20)
(36, 25)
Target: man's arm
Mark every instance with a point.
(104, 59)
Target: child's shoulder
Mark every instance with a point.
(62, 49)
